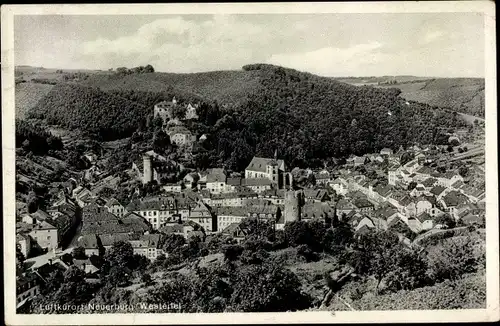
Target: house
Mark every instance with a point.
(319, 210)
(148, 245)
(24, 243)
(191, 112)
(365, 222)
(363, 205)
(429, 183)
(438, 191)
(381, 193)
(191, 180)
(386, 215)
(36, 217)
(414, 224)
(411, 166)
(344, 206)
(181, 136)
(216, 180)
(357, 160)
(164, 110)
(340, 186)
(451, 201)
(424, 204)
(202, 216)
(316, 195)
(45, 235)
(27, 288)
(258, 185)
(229, 215)
(90, 243)
(97, 220)
(322, 177)
(386, 151)
(114, 207)
(86, 266)
(426, 221)
(267, 168)
(159, 210)
(172, 187)
(449, 178)
(234, 231)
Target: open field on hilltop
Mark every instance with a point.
(27, 96)
(228, 87)
(465, 95)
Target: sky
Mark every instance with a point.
(335, 45)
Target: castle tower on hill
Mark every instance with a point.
(294, 200)
(147, 169)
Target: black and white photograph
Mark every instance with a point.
(261, 161)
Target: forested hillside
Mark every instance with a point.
(304, 117)
(309, 118)
(103, 115)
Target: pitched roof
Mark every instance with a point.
(317, 210)
(437, 190)
(112, 202)
(88, 241)
(257, 182)
(362, 203)
(44, 225)
(429, 182)
(216, 175)
(454, 198)
(318, 194)
(258, 164)
(424, 217)
(234, 181)
(232, 211)
(231, 229)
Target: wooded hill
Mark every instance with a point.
(305, 117)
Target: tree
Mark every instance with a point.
(146, 278)
(119, 276)
(267, 288)
(297, 233)
(257, 228)
(179, 112)
(148, 69)
(173, 241)
(449, 149)
(454, 142)
(121, 255)
(161, 141)
(79, 253)
(463, 171)
(452, 258)
(232, 252)
(382, 248)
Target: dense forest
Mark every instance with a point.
(308, 119)
(105, 116)
(35, 138)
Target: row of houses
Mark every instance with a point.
(47, 229)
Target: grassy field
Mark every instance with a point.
(465, 95)
(27, 96)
